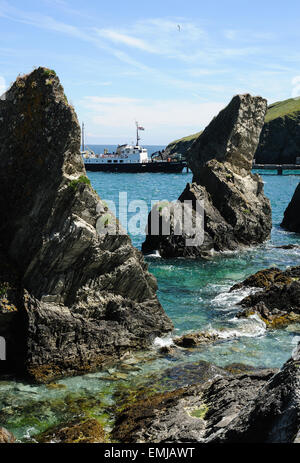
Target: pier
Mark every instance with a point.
(280, 168)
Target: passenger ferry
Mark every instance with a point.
(127, 158)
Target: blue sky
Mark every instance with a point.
(123, 61)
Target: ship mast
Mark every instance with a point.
(137, 133)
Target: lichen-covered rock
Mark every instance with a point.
(266, 278)
(85, 295)
(236, 211)
(87, 431)
(291, 220)
(278, 303)
(195, 339)
(6, 437)
(231, 137)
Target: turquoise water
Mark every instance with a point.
(193, 293)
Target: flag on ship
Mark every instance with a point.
(141, 128)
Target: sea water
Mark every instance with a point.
(195, 295)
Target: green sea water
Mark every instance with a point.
(195, 296)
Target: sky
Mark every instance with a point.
(170, 65)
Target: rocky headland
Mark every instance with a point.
(70, 296)
(280, 137)
(235, 211)
(291, 219)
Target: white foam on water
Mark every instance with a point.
(226, 300)
(165, 341)
(250, 327)
(155, 254)
(28, 434)
(229, 252)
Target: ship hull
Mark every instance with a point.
(153, 167)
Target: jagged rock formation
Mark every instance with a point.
(236, 212)
(278, 303)
(280, 137)
(79, 287)
(279, 141)
(291, 220)
(259, 406)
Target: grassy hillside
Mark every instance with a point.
(289, 108)
(186, 139)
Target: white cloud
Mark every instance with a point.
(125, 39)
(160, 36)
(163, 120)
(93, 101)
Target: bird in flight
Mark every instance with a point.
(179, 28)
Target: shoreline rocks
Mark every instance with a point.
(88, 431)
(273, 416)
(225, 205)
(258, 406)
(73, 264)
(195, 339)
(194, 413)
(278, 303)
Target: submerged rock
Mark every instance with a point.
(291, 220)
(73, 264)
(278, 304)
(232, 210)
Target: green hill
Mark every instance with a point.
(187, 139)
(181, 145)
(290, 107)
